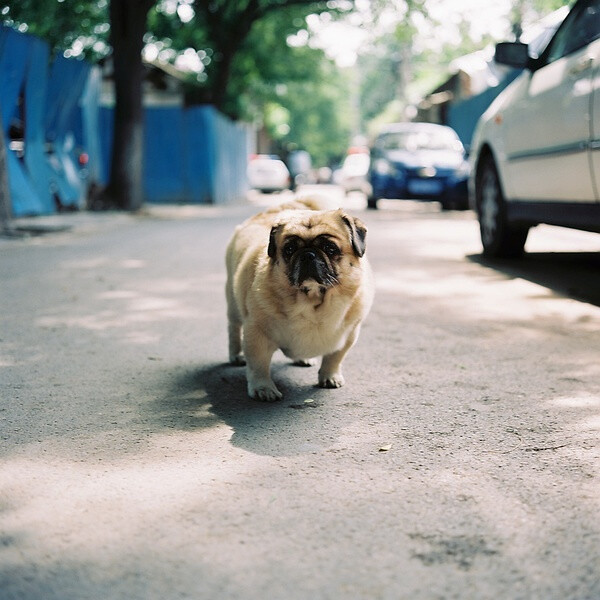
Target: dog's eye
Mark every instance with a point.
(289, 249)
(331, 249)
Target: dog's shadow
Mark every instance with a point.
(213, 394)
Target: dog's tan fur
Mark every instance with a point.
(304, 321)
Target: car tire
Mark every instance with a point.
(499, 237)
(446, 204)
(372, 202)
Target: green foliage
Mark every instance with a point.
(298, 93)
(379, 81)
(320, 114)
(524, 11)
(80, 25)
(544, 7)
(266, 62)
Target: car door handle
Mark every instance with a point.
(581, 65)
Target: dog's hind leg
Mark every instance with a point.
(234, 328)
(236, 357)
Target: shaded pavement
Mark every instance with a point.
(461, 459)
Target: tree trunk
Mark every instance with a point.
(229, 35)
(223, 76)
(128, 26)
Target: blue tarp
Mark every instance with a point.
(67, 82)
(14, 60)
(463, 116)
(190, 154)
(36, 160)
(40, 100)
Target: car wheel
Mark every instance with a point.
(372, 202)
(499, 237)
(446, 204)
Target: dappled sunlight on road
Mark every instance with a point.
(437, 257)
(486, 295)
(464, 443)
(105, 298)
(102, 509)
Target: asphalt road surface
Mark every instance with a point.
(461, 459)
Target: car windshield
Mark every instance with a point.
(419, 140)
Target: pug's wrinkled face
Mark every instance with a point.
(314, 259)
(314, 248)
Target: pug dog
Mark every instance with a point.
(297, 280)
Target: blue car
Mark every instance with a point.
(422, 161)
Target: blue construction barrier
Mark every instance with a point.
(71, 76)
(39, 102)
(191, 155)
(14, 60)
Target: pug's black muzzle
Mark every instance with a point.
(309, 263)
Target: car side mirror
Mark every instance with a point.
(513, 54)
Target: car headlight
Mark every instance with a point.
(382, 167)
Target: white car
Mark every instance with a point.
(536, 151)
(353, 176)
(268, 174)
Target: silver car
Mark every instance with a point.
(536, 151)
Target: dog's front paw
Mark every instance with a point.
(331, 380)
(265, 391)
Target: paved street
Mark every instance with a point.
(460, 461)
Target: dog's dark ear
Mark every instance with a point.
(272, 250)
(358, 234)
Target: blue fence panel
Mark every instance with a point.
(14, 60)
(190, 154)
(463, 116)
(164, 167)
(200, 156)
(13, 64)
(68, 78)
(36, 158)
(231, 159)
(41, 102)
(90, 126)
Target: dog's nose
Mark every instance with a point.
(309, 255)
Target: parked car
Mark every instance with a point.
(354, 171)
(535, 150)
(299, 164)
(419, 160)
(268, 174)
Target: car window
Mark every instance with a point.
(581, 27)
(419, 140)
